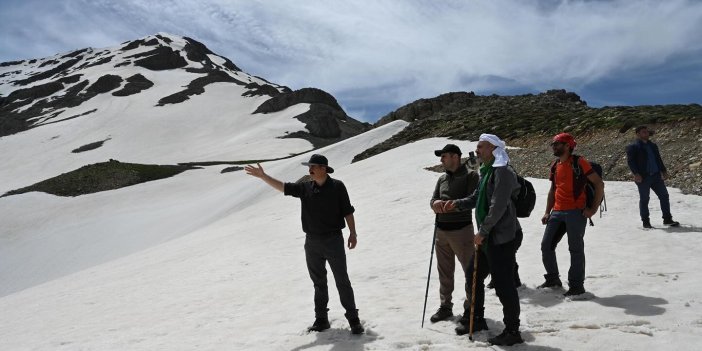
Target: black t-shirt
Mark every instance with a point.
(323, 207)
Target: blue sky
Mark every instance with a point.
(375, 56)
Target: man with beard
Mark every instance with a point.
(649, 172)
(496, 217)
(566, 212)
(453, 230)
(325, 206)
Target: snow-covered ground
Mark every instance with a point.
(210, 261)
(217, 125)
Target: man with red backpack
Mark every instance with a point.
(567, 212)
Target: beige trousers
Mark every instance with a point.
(452, 244)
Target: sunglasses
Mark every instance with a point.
(557, 143)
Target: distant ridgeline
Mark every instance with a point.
(529, 121)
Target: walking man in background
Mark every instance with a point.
(454, 229)
(646, 164)
(566, 212)
(325, 206)
(496, 217)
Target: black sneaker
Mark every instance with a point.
(551, 282)
(356, 326)
(671, 223)
(574, 290)
(320, 324)
(647, 224)
(443, 313)
(507, 338)
(479, 324)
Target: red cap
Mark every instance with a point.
(565, 138)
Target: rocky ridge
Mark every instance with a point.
(529, 122)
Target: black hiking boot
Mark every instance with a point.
(507, 338)
(463, 328)
(670, 222)
(443, 313)
(551, 282)
(356, 326)
(320, 324)
(574, 291)
(647, 223)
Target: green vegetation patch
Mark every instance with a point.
(102, 177)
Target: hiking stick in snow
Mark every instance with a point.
(426, 294)
(472, 295)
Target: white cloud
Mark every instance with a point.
(417, 49)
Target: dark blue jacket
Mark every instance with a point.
(637, 158)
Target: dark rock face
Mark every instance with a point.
(50, 73)
(96, 63)
(256, 89)
(165, 40)
(88, 147)
(104, 84)
(197, 87)
(48, 63)
(325, 121)
(75, 53)
(197, 52)
(232, 169)
(70, 79)
(133, 45)
(25, 96)
(304, 95)
(10, 63)
(135, 84)
(159, 59)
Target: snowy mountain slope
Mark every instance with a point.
(186, 105)
(239, 281)
(52, 236)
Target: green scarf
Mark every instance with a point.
(483, 205)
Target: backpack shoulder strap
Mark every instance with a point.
(577, 170)
(553, 171)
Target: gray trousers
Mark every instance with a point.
(573, 223)
(319, 251)
(452, 245)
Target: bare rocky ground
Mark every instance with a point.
(679, 143)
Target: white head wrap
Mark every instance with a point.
(501, 158)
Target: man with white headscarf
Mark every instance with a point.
(496, 217)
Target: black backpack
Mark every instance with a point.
(526, 199)
(580, 178)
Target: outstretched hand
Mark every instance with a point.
(255, 171)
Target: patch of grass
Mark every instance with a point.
(102, 177)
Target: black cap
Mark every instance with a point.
(448, 148)
(319, 160)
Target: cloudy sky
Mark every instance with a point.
(375, 56)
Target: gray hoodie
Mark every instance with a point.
(500, 224)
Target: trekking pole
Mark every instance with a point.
(426, 294)
(472, 295)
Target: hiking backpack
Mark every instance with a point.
(581, 183)
(526, 199)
